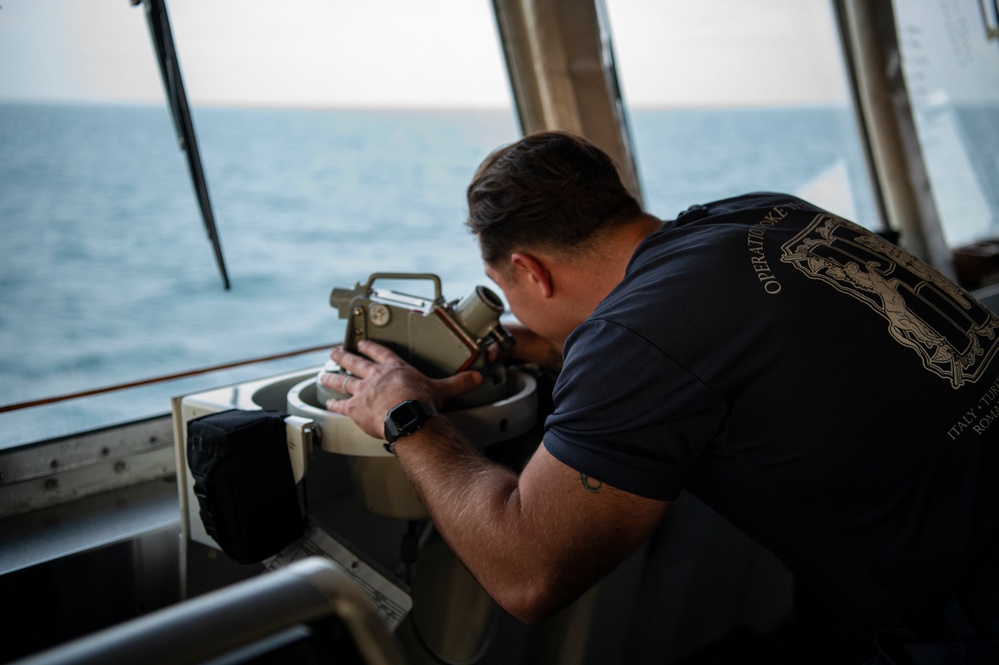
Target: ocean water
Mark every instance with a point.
(107, 276)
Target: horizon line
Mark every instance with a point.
(418, 106)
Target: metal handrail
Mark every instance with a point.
(159, 379)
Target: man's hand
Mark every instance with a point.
(381, 380)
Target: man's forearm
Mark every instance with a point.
(476, 506)
(535, 541)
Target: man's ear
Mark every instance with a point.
(534, 269)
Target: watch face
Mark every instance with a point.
(407, 415)
(406, 418)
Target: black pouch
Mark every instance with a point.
(244, 482)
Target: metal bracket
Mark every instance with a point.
(302, 434)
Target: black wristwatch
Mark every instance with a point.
(405, 418)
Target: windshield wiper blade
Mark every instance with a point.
(173, 85)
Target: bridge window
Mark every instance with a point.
(727, 97)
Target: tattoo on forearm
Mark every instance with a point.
(590, 484)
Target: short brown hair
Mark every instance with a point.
(549, 190)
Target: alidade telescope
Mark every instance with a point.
(439, 338)
(436, 337)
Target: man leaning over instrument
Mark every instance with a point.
(826, 392)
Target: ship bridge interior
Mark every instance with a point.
(104, 556)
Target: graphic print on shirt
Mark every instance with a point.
(954, 336)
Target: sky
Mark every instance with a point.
(407, 52)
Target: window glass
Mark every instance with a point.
(337, 140)
(728, 97)
(951, 69)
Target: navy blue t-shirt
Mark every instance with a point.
(828, 393)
